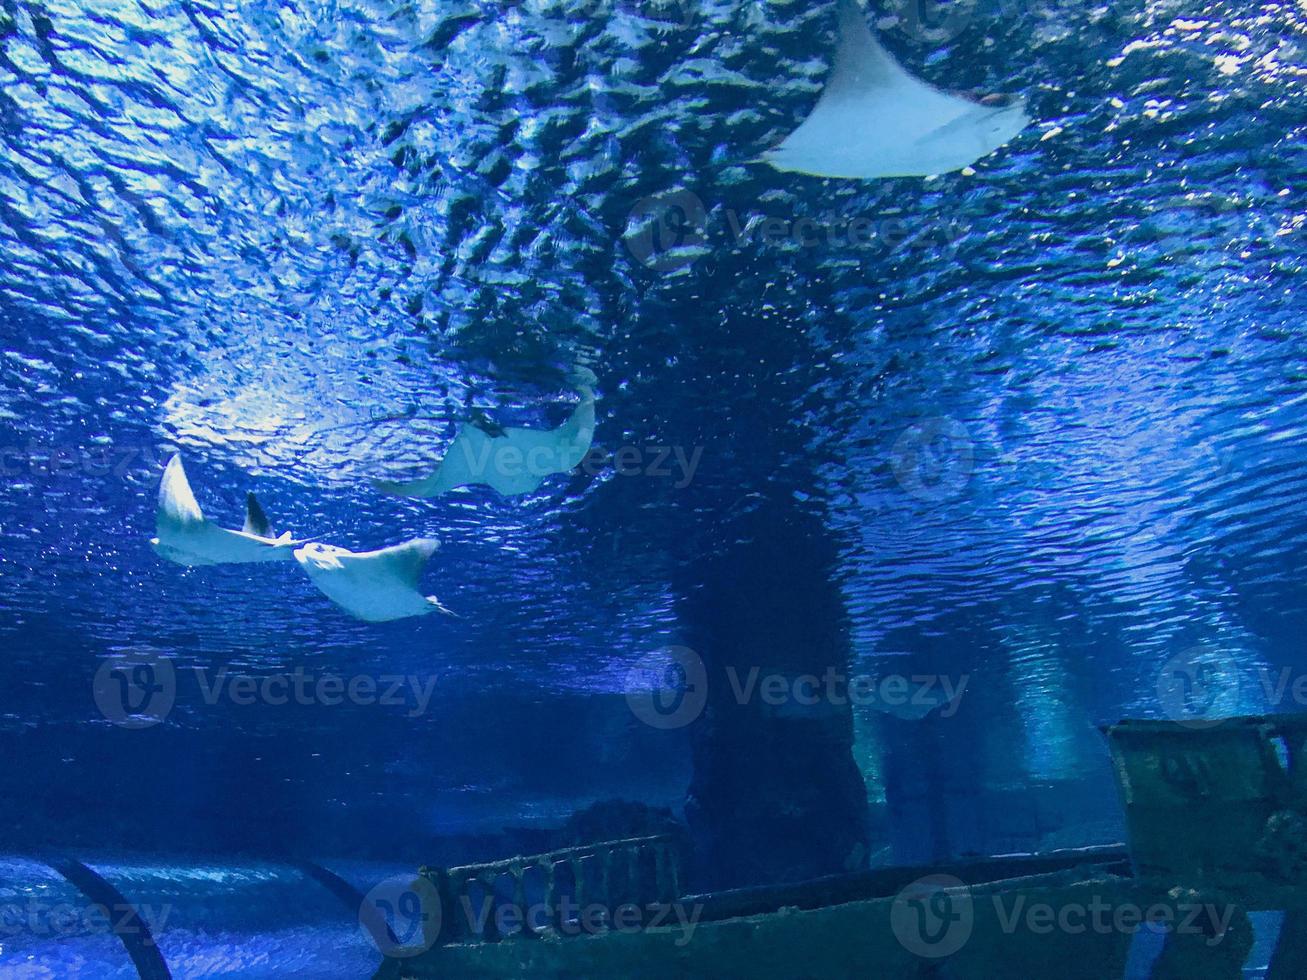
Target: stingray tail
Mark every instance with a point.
(441, 607)
(760, 158)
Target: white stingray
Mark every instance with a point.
(372, 585)
(511, 460)
(875, 120)
(187, 537)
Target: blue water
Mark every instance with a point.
(1051, 421)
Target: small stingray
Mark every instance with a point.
(511, 460)
(187, 537)
(375, 586)
(919, 700)
(875, 120)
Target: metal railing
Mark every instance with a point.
(541, 892)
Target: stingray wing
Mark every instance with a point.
(578, 432)
(375, 586)
(875, 120)
(458, 467)
(186, 536)
(178, 509)
(401, 562)
(522, 460)
(866, 78)
(512, 460)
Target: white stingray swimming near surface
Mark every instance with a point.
(375, 586)
(509, 459)
(875, 120)
(186, 536)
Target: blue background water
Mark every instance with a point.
(300, 241)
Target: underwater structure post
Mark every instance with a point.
(775, 794)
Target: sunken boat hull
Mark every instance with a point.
(1215, 817)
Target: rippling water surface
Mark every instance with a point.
(1053, 409)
